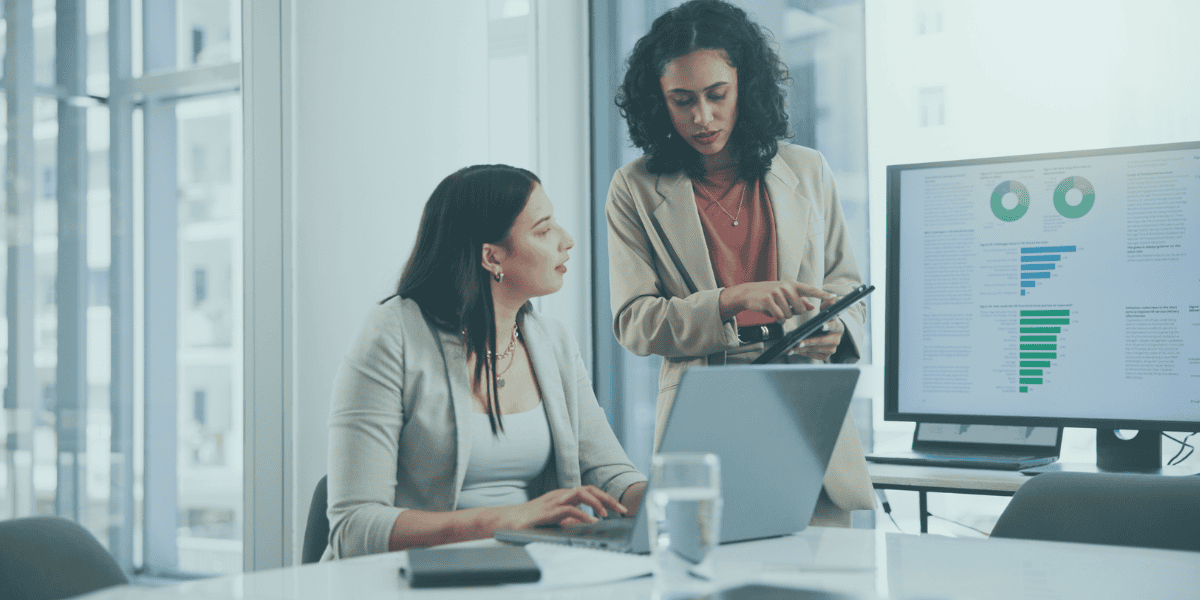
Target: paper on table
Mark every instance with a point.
(568, 566)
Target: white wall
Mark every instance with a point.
(389, 98)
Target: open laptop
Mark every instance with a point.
(1003, 447)
(773, 427)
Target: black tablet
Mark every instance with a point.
(813, 325)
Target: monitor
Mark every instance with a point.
(1051, 289)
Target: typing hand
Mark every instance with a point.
(559, 507)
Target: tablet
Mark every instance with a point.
(813, 325)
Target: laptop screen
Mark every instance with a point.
(1033, 439)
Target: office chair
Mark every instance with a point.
(1150, 511)
(47, 558)
(316, 533)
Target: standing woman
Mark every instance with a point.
(721, 237)
(460, 410)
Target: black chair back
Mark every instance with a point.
(48, 558)
(1149, 511)
(316, 533)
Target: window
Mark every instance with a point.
(125, 116)
(931, 107)
(929, 17)
(1010, 98)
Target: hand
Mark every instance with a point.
(633, 497)
(779, 300)
(823, 346)
(559, 507)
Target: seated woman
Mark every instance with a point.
(460, 410)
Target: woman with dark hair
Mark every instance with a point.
(460, 410)
(722, 237)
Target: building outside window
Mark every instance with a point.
(122, 345)
(931, 106)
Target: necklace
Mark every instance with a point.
(512, 344)
(734, 218)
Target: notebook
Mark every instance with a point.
(440, 567)
(773, 427)
(1002, 447)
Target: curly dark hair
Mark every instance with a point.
(762, 81)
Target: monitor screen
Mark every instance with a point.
(1054, 289)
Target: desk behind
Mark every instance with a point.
(924, 479)
(864, 563)
(982, 482)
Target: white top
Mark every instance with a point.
(400, 424)
(502, 465)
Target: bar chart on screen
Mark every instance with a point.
(1040, 264)
(1039, 344)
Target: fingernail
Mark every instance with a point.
(622, 507)
(801, 345)
(825, 327)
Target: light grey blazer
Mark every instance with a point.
(665, 293)
(400, 424)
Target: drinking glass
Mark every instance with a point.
(684, 522)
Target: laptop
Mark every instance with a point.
(774, 428)
(1008, 448)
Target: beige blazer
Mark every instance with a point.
(400, 424)
(665, 292)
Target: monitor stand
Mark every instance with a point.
(1141, 453)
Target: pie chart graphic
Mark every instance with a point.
(1018, 211)
(1074, 182)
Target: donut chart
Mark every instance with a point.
(1074, 182)
(1018, 211)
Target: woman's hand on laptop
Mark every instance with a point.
(558, 507)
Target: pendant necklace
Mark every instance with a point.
(512, 344)
(734, 218)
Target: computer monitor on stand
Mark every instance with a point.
(1053, 289)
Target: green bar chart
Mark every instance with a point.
(1038, 343)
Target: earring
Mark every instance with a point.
(499, 277)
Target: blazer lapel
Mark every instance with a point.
(680, 224)
(550, 383)
(791, 217)
(458, 386)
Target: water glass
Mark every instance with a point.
(684, 522)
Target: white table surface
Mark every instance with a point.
(864, 563)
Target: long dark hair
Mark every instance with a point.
(762, 81)
(471, 207)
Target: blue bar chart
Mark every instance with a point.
(1038, 263)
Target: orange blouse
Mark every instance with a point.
(741, 253)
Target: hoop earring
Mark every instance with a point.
(499, 277)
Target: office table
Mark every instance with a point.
(860, 562)
(925, 479)
(981, 482)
